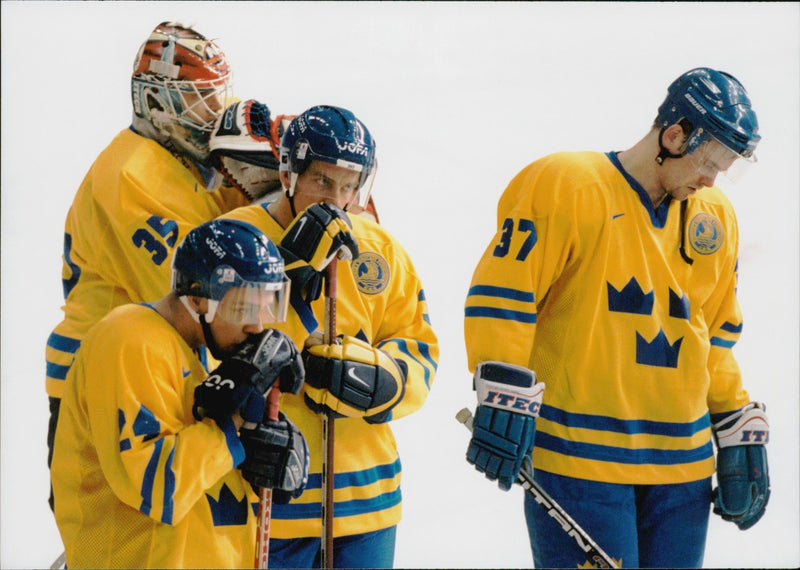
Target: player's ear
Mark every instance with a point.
(673, 138)
(199, 304)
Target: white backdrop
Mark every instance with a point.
(460, 96)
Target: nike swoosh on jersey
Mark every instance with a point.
(185, 372)
(615, 216)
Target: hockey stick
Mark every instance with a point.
(328, 427)
(59, 562)
(568, 525)
(265, 494)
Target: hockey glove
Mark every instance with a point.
(353, 379)
(240, 382)
(742, 473)
(276, 457)
(243, 148)
(504, 428)
(314, 238)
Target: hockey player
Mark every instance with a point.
(245, 147)
(143, 193)
(382, 366)
(141, 481)
(611, 282)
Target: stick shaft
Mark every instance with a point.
(328, 427)
(265, 494)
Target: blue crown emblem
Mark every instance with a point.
(227, 511)
(706, 234)
(631, 299)
(678, 305)
(658, 352)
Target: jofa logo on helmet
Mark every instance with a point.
(215, 247)
(274, 265)
(353, 147)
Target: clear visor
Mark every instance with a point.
(252, 302)
(710, 157)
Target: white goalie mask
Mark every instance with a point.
(181, 83)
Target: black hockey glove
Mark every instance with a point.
(276, 457)
(742, 471)
(353, 379)
(315, 237)
(504, 428)
(240, 382)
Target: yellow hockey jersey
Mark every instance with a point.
(140, 483)
(380, 300)
(627, 313)
(133, 208)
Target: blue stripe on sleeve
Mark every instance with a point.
(57, 371)
(717, 341)
(505, 314)
(149, 478)
(501, 292)
(63, 343)
(732, 328)
(402, 346)
(169, 490)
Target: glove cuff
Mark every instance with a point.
(508, 387)
(748, 426)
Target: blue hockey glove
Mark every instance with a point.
(276, 457)
(504, 428)
(316, 236)
(240, 382)
(742, 473)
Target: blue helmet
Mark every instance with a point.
(329, 134)
(220, 255)
(716, 105)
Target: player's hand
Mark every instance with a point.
(353, 379)
(276, 457)
(240, 383)
(504, 428)
(742, 471)
(314, 238)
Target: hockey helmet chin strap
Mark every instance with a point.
(211, 343)
(662, 151)
(662, 154)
